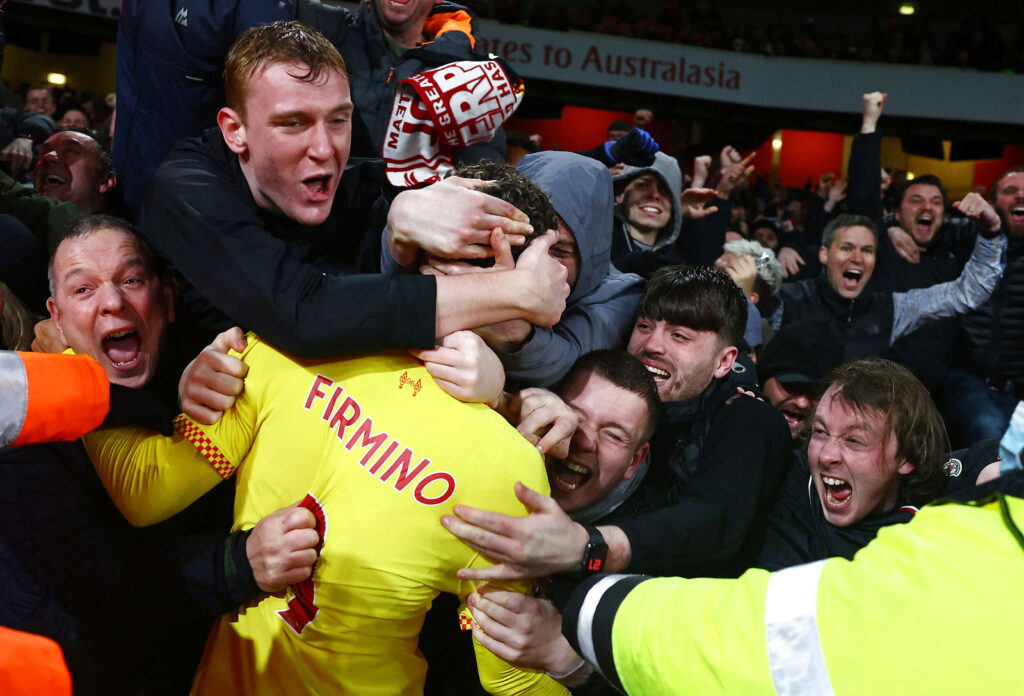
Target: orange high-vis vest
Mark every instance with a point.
(31, 665)
(49, 397)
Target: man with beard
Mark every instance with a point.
(987, 378)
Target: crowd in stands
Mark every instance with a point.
(978, 43)
(307, 390)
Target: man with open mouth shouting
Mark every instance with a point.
(105, 301)
(867, 324)
(988, 376)
(274, 228)
(74, 167)
(876, 451)
(133, 606)
(717, 457)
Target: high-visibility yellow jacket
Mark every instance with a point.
(935, 606)
(50, 397)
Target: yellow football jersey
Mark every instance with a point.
(379, 453)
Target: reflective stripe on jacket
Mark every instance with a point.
(933, 606)
(50, 397)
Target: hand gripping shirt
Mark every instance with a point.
(378, 452)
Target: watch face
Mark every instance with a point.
(593, 559)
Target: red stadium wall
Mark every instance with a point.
(581, 128)
(807, 154)
(986, 171)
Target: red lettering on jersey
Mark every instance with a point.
(427, 480)
(372, 441)
(383, 458)
(315, 392)
(405, 478)
(340, 421)
(302, 608)
(330, 404)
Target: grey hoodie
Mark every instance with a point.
(600, 309)
(667, 169)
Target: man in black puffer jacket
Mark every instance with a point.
(987, 380)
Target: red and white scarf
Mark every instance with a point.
(439, 110)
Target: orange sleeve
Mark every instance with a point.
(68, 395)
(31, 665)
(459, 20)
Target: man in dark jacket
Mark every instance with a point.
(988, 376)
(933, 246)
(170, 68)
(384, 44)
(130, 606)
(267, 219)
(875, 455)
(707, 486)
(170, 77)
(868, 323)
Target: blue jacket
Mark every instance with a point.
(170, 76)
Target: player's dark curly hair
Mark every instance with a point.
(508, 184)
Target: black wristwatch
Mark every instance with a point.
(595, 553)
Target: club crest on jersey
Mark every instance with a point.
(416, 384)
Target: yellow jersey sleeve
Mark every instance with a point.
(226, 443)
(496, 675)
(149, 477)
(499, 677)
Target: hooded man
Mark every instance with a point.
(602, 301)
(648, 215)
